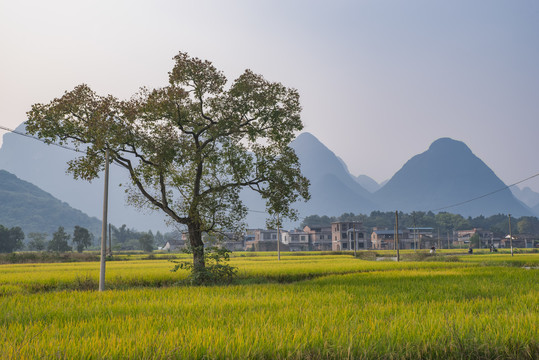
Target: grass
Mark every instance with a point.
(304, 307)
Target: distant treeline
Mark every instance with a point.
(443, 221)
(122, 238)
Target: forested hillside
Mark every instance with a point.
(34, 210)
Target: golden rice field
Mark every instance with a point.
(482, 306)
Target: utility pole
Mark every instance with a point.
(415, 233)
(510, 235)
(397, 234)
(439, 241)
(278, 239)
(355, 239)
(110, 239)
(394, 237)
(349, 240)
(104, 225)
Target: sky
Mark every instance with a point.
(379, 80)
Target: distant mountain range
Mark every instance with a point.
(368, 183)
(527, 196)
(447, 173)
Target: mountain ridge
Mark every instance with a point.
(34, 210)
(448, 173)
(46, 167)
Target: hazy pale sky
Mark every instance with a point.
(379, 80)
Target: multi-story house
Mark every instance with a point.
(266, 240)
(297, 240)
(345, 235)
(486, 237)
(319, 237)
(422, 237)
(385, 239)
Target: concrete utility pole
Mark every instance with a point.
(355, 240)
(278, 239)
(510, 235)
(397, 234)
(104, 225)
(349, 240)
(110, 240)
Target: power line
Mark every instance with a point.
(49, 143)
(38, 139)
(485, 195)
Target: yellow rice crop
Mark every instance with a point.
(360, 310)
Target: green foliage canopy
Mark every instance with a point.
(82, 238)
(189, 147)
(59, 242)
(11, 239)
(146, 242)
(38, 241)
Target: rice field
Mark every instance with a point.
(303, 307)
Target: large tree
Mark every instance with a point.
(189, 147)
(38, 241)
(59, 241)
(11, 239)
(82, 238)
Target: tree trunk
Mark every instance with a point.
(195, 240)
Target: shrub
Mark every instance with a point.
(216, 272)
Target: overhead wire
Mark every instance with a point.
(485, 195)
(48, 143)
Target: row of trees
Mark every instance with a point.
(61, 241)
(124, 238)
(443, 221)
(80, 240)
(13, 240)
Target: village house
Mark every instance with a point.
(520, 241)
(345, 235)
(384, 239)
(486, 238)
(227, 240)
(422, 238)
(319, 237)
(297, 240)
(176, 244)
(266, 240)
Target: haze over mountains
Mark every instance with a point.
(445, 174)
